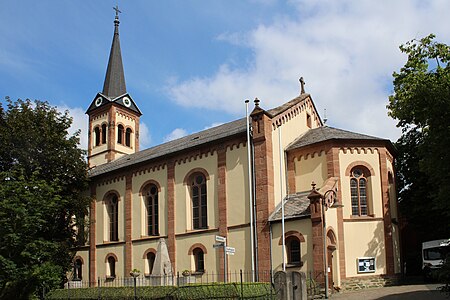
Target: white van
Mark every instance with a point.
(433, 255)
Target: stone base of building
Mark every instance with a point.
(357, 283)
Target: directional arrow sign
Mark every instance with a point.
(218, 245)
(230, 250)
(221, 239)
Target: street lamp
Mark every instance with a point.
(328, 200)
(135, 274)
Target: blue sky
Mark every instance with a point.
(191, 64)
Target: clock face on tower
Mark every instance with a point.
(98, 101)
(126, 101)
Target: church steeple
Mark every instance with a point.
(114, 85)
(113, 114)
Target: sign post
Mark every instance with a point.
(222, 244)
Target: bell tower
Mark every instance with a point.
(113, 114)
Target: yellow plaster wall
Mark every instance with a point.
(102, 252)
(139, 211)
(364, 239)
(304, 227)
(102, 229)
(183, 220)
(239, 238)
(139, 248)
(185, 242)
(309, 169)
(374, 182)
(237, 186)
(290, 130)
(332, 224)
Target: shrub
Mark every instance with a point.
(194, 291)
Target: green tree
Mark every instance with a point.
(421, 104)
(43, 180)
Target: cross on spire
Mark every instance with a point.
(302, 85)
(116, 8)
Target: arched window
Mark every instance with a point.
(120, 134)
(113, 218)
(111, 267)
(293, 250)
(151, 203)
(199, 260)
(128, 137)
(77, 270)
(358, 190)
(199, 201)
(150, 261)
(104, 133)
(97, 136)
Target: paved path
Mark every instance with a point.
(403, 292)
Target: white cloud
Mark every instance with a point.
(80, 122)
(145, 138)
(345, 50)
(175, 134)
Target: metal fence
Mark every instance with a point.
(177, 279)
(182, 286)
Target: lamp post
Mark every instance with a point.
(135, 274)
(327, 202)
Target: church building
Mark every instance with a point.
(283, 189)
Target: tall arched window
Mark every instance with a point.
(151, 203)
(104, 133)
(199, 260)
(293, 250)
(77, 270)
(199, 201)
(113, 218)
(358, 190)
(150, 261)
(120, 134)
(97, 136)
(128, 137)
(111, 267)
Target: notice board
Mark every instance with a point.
(366, 264)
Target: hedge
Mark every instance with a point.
(188, 292)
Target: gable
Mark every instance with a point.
(124, 101)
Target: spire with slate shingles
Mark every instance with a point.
(114, 85)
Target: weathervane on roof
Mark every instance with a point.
(325, 119)
(302, 85)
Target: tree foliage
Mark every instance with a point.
(421, 104)
(42, 182)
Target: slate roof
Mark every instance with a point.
(206, 136)
(295, 206)
(277, 110)
(114, 85)
(325, 133)
(214, 134)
